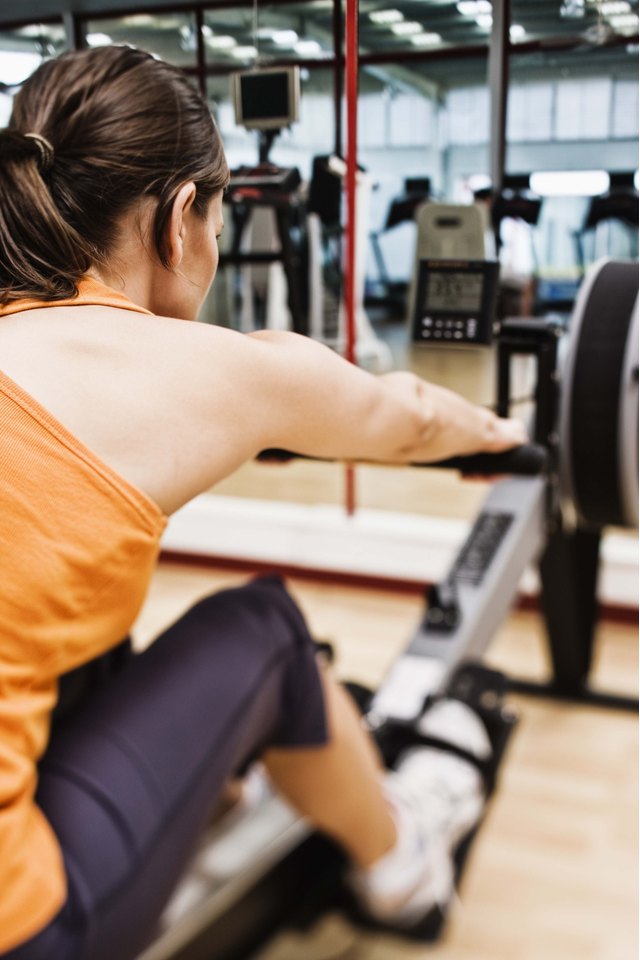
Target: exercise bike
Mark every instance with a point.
(579, 474)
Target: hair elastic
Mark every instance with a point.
(45, 149)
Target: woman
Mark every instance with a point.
(115, 412)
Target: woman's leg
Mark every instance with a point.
(130, 778)
(338, 786)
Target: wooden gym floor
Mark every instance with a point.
(553, 873)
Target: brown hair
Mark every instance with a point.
(121, 126)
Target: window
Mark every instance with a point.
(468, 116)
(582, 109)
(624, 121)
(530, 111)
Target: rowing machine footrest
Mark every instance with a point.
(478, 687)
(484, 691)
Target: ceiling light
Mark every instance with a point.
(139, 20)
(573, 9)
(244, 53)
(307, 48)
(98, 40)
(473, 8)
(41, 31)
(17, 65)
(406, 28)
(32, 30)
(624, 21)
(479, 181)
(169, 22)
(614, 6)
(516, 31)
(426, 39)
(285, 38)
(222, 42)
(386, 16)
(570, 183)
(485, 21)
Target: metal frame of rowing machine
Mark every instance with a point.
(567, 559)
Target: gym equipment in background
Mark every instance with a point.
(515, 201)
(579, 475)
(266, 100)
(266, 208)
(445, 231)
(326, 310)
(266, 214)
(383, 291)
(611, 222)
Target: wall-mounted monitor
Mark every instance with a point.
(266, 99)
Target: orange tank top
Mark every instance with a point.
(78, 544)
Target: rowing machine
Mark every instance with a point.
(580, 475)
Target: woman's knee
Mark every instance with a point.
(260, 614)
(256, 632)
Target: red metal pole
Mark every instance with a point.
(351, 88)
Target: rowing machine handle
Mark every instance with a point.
(529, 460)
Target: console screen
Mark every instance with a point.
(265, 95)
(454, 292)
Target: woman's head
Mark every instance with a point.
(124, 129)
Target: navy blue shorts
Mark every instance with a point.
(132, 774)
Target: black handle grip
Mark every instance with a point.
(527, 460)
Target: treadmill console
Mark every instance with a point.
(455, 302)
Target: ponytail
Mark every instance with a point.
(92, 133)
(39, 251)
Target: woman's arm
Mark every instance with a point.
(183, 405)
(313, 402)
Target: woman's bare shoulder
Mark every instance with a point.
(166, 402)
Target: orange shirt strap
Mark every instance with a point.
(91, 292)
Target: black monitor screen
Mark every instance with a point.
(453, 291)
(265, 95)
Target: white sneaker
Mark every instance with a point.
(437, 799)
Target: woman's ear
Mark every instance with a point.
(176, 227)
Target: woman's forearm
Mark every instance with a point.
(320, 405)
(452, 426)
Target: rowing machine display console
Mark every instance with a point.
(455, 302)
